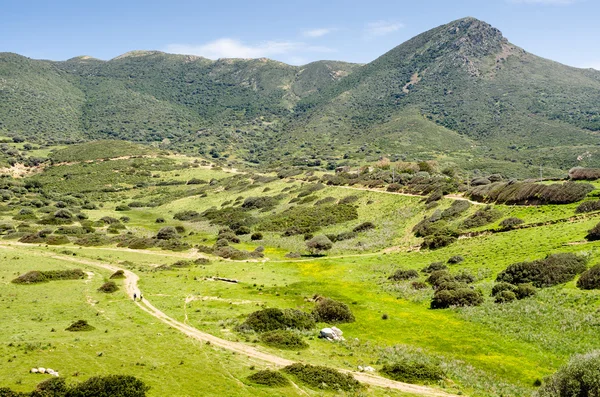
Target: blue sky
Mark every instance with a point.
(294, 32)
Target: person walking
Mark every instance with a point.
(134, 296)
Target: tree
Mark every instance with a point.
(318, 244)
(580, 377)
(167, 233)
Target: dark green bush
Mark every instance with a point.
(187, 215)
(122, 207)
(510, 223)
(264, 203)
(49, 275)
(458, 297)
(108, 287)
(438, 277)
(80, 325)
(456, 259)
(588, 206)
(505, 296)
(109, 220)
(275, 319)
(118, 274)
(436, 241)
(531, 193)
(322, 377)
(434, 266)
(401, 274)
(269, 378)
(525, 291)
(348, 199)
(110, 386)
(331, 311)
(363, 227)
(319, 244)
(413, 372)
(141, 243)
(167, 233)
(256, 236)
(553, 270)
(456, 208)
(593, 233)
(499, 287)
(309, 218)
(590, 279)
(482, 217)
(242, 230)
(579, 378)
(418, 285)
(283, 339)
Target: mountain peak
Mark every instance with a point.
(473, 37)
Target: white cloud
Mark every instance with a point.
(232, 48)
(320, 32)
(545, 2)
(382, 28)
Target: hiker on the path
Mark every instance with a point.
(141, 297)
(134, 296)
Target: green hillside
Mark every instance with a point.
(457, 93)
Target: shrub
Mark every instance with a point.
(80, 325)
(160, 220)
(588, 206)
(167, 233)
(187, 215)
(510, 223)
(31, 277)
(553, 270)
(108, 287)
(331, 311)
(590, 279)
(309, 218)
(482, 217)
(63, 214)
(263, 203)
(437, 241)
(348, 199)
(456, 259)
(525, 291)
(318, 244)
(363, 227)
(322, 377)
(413, 372)
(110, 386)
(456, 208)
(402, 274)
(499, 287)
(57, 240)
(531, 193)
(458, 297)
(283, 339)
(242, 230)
(122, 207)
(275, 319)
(109, 220)
(141, 243)
(465, 277)
(434, 266)
(256, 236)
(269, 378)
(593, 233)
(49, 275)
(581, 174)
(505, 296)
(580, 377)
(118, 275)
(418, 285)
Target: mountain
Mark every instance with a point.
(460, 93)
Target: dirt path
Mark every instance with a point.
(131, 287)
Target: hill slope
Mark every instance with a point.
(459, 93)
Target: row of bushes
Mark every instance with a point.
(104, 386)
(553, 270)
(38, 276)
(530, 193)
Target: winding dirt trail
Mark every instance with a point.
(131, 287)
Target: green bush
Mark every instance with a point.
(363, 227)
(35, 276)
(256, 236)
(553, 270)
(80, 325)
(505, 296)
(438, 277)
(413, 372)
(118, 274)
(401, 274)
(319, 244)
(110, 386)
(322, 377)
(579, 378)
(456, 208)
(108, 287)
(458, 297)
(482, 217)
(434, 266)
(283, 339)
(590, 279)
(331, 311)
(187, 215)
(586, 206)
(167, 233)
(525, 291)
(593, 233)
(436, 241)
(276, 319)
(264, 203)
(269, 378)
(530, 193)
(309, 218)
(510, 223)
(456, 259)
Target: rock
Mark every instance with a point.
(332, 333)
(369, 369)
(49, 370)
(34, 370)
(42, 370)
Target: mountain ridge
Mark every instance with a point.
(462, 84)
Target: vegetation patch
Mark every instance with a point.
(590, 279)
(80, 326)
(309, 218)
(580, 377)
(413, 372)
(482, 217)
(269, 378)
(272, 319)
(322, 377)
(331, 311)
(530, 193)
(36, 276)
(108, 287)
(553, 270)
